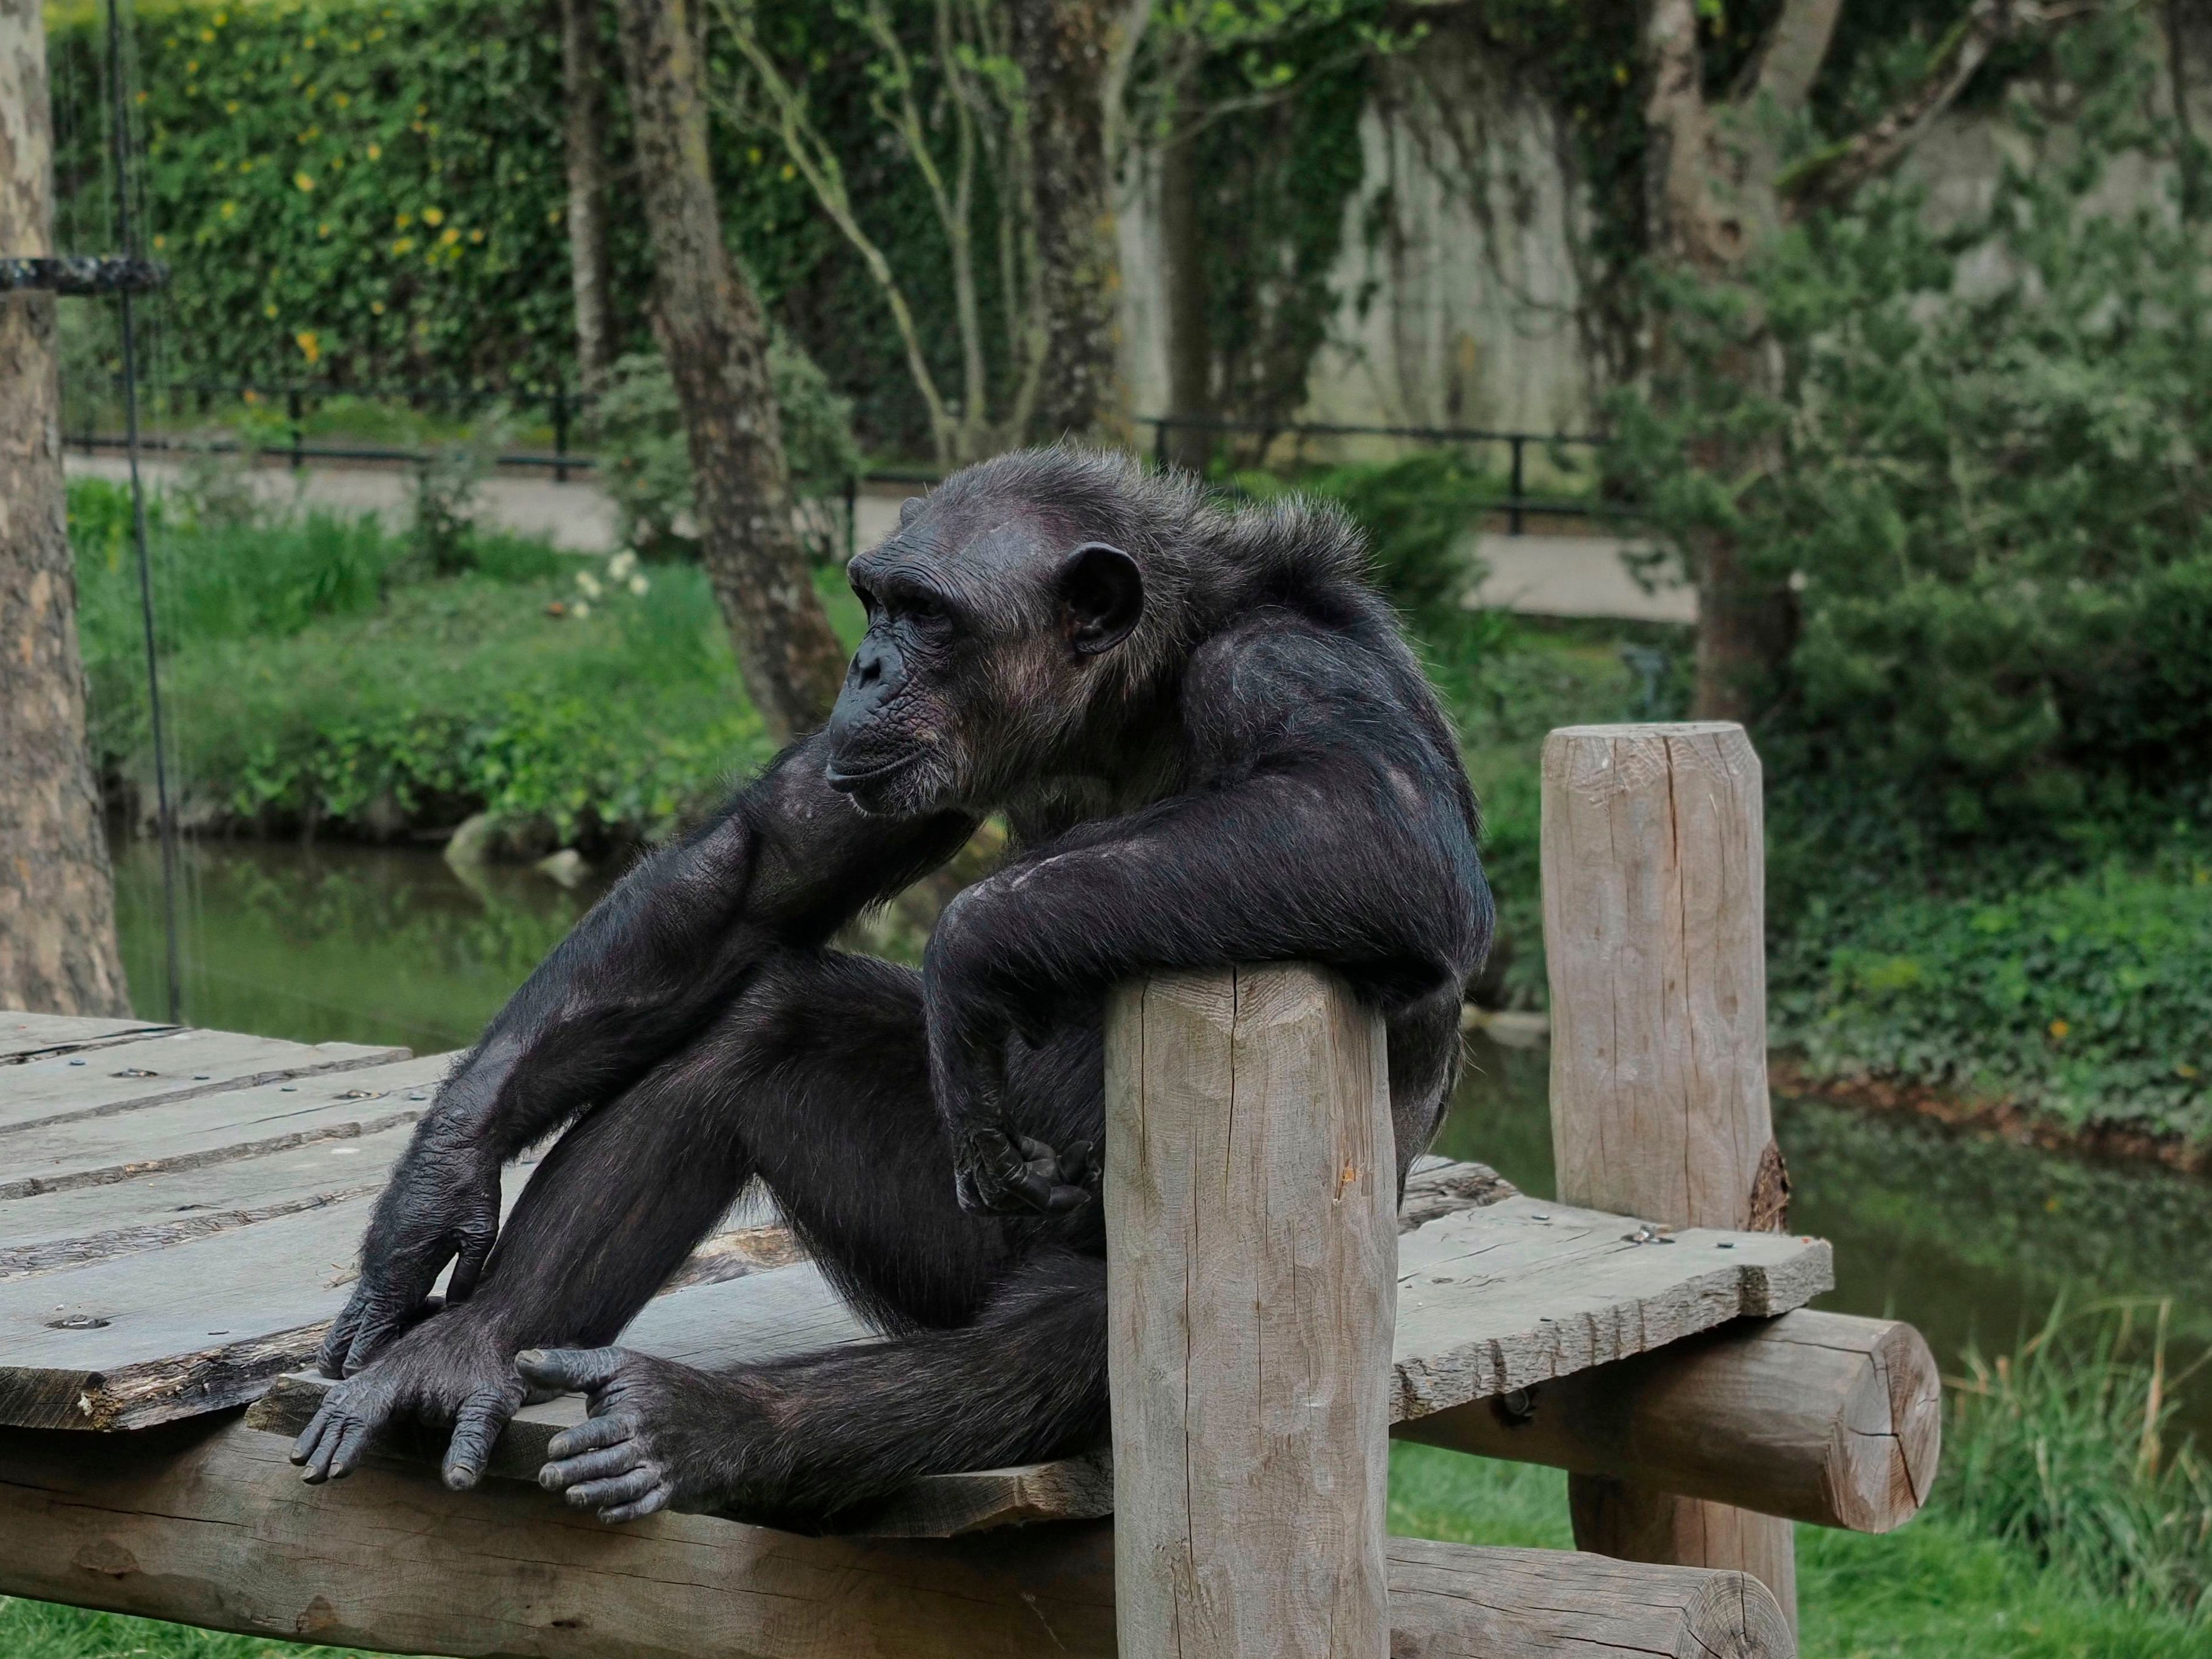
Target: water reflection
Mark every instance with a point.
(1969, 1236)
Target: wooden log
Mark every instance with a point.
(1250, 1186)
(1817, 1416)
(1654, 873)
(207, 1523)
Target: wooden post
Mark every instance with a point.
(1654, 871)
(1251, 1267)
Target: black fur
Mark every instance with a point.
(1212, 746)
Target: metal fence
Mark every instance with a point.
(564, 408)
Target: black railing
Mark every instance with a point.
(1518, 503)
(562, 405)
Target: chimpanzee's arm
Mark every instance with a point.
(785, 862)
(1329, 823)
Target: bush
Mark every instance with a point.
(1991, 444)
(645, 459)
(2089, 999)
(1420, 514)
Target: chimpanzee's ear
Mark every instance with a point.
(908, 508)
(1102, 594)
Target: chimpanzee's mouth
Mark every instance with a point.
(846, 783)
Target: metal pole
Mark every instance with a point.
(1513, 514)
(292, 408)
(560, 434)
(167, 818)
(1160, 443)
(852, 515)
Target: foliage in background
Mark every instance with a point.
(2066, 1449)
(361, 192)
(320, 673)
(1991, 492)
(645, 460)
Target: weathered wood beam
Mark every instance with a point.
(1817, 1416)
(1250, 1191)
(1655, 905)
(207, 1523)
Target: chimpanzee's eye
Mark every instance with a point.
(922, 607)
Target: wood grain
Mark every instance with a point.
(1250, 1189)
(207, 1523)
(1815, 1417)
(1654, 877)
(154, 1069)
(27, 1035)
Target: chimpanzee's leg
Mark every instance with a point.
(815, 1079)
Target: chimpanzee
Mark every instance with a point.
(1212, 746)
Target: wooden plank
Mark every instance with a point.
(207, 1523)
(28, 1037)
(782, 1312)
(154, 1069)
(1250, 1191)
(208, 1129)
(1815, 1417)
(1523, 1292)
(1654, 938)
(260, 1298)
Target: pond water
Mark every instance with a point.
(1968, 1235)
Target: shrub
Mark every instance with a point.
(644, 460)
(1991, 444)
(2088, 997)
(1420, 514)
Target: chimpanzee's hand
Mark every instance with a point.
(660, 1432)
(451, 1368)
(442, 1205)
(998, 1172)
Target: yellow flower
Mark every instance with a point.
(434, 217)
(228, 209)
(310, 348)
(376, 35)
(402, 220)
(341, 99)
(2059, 1028)
(450, 235)
(789, 171)
(269, 310)
(161, 242)
(207, 34)
(404, 244)
(141, 97)
(554, 218)
(191, 66)
(375, 151)
(323, 228)
(2184, 1069)
(230, 106)
(376, 307)
(221, 18)
(251, 396)
(304, 180)
(476, 236)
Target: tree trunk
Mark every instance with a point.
(58, 947)
(710, 327)
(587, 118)
(1182, 272)
(1062, 46)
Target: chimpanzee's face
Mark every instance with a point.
(982, 623)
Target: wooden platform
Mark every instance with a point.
(179, 1211)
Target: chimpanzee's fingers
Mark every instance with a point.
(353, 1439)
(337, 1341)
(1078, 1165)
(469, 1263)
(589, 1435)
(384, 1315)
(1063, 1198)
(569, 1471)
(656, 1499)
(605, 1494)
(476, 1429)
(311, 1438)
(576, 1371)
